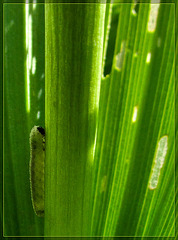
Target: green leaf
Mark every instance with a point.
(73, 72)
(107, 101)
(123, 203)
(22, 102)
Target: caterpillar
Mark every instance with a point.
(36, 169)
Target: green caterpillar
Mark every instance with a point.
(37, 157)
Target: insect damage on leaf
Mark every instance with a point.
(37, 157)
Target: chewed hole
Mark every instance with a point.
(154, 8)
(159, 159)
(134, 116)
(120, 56)
(111, 40)
(148, 58)
(135, 9)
